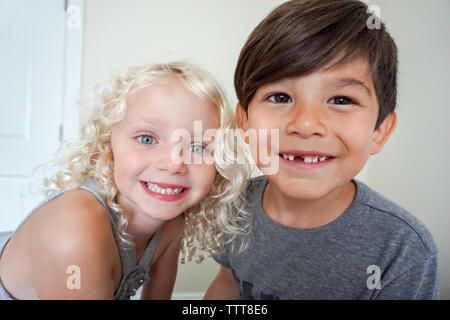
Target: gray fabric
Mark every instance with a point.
(134, 274)
(333, 261)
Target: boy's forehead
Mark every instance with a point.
(355, 73)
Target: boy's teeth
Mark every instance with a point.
(305, 159)
(157, 189)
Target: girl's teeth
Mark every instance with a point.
(157, 189)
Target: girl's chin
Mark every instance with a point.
(163, 215)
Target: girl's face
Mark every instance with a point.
(147, 172)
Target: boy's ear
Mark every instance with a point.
(383, 132)
(242, 121)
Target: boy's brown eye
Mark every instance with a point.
(341, 100)
(279, 98)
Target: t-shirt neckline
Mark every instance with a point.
(343, 220)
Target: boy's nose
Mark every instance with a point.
(306, 121)
(170, 159)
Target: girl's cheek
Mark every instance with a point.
(206, 175)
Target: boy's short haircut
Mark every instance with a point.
(303, 36)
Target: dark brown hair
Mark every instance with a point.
(303, 36)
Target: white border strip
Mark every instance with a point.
(188, 295)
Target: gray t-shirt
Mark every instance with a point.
(374, 250)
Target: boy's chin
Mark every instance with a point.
(304, 194)
(303, 190)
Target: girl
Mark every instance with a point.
(122, 204)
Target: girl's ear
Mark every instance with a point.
(242, 121)
(383, 132)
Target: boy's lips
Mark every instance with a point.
(306, 159)
(306, 153)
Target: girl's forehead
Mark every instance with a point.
(169, 104)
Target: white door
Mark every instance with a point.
(32, 65)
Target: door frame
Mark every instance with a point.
(73, 63)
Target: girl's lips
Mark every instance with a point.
(166, 185)
(165, 197)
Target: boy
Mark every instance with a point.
(317, 73)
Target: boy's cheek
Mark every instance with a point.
(266, 156)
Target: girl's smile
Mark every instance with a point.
(151, 182)
(165, 192)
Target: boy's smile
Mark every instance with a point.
(306, 159)
(326, 122)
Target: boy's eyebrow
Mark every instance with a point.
(345, 82)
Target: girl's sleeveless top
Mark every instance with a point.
(134, 274)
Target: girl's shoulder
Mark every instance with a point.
(73, 219)
(74, 216)
(72, 229)
(70, 210)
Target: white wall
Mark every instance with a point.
(411, 169)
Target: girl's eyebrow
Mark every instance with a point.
(152, 121)
(160, 124)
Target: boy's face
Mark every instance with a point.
(326, 122)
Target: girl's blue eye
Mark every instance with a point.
(341, 100)
(279, 98)
(197, 148)
(146, 139)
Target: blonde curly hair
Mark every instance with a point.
(210, 224)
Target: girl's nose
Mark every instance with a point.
(170, 159)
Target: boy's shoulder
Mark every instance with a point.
(255, 185)
(386, 219)
(374, 218)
